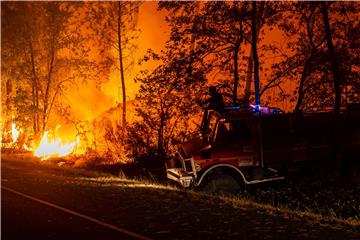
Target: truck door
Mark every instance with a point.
(234, 143)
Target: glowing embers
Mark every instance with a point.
(50, 146)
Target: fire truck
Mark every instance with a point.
(251, 145)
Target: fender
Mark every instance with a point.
(220, 165)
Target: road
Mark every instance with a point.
(24, 217)
(41, 201)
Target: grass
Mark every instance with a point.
(266, 203)
(326, 197)
(286, 212)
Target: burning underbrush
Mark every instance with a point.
(50, 145)
(79, 150)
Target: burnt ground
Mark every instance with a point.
(157, 211)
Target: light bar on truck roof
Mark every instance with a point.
(265, 110)
(255, 108)
(232, 107)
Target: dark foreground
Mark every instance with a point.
(148, 210)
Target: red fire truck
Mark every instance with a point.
(245, 146)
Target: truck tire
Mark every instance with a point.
(221, 183)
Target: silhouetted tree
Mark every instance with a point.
(163, 109)
(214, 32)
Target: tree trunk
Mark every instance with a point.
(333, 57)
(121, 72)
(160, 145)
(339, 164)
(304, 75)
(48, 85)
(301, 91)
(236, 72)
(255, 55)
(35, 91)
(249, 78)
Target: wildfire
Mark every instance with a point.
(9, 136)
(14, 132)
(27, 147)
(50, 146)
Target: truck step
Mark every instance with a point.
(258, 175)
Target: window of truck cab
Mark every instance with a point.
(211, 126)
(234, 131)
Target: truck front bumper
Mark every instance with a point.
(180, 176)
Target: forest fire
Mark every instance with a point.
(14, 132)
(52, 146)
(49, 146)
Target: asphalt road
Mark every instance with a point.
(28, 216)
(24, 218)
(85, 205)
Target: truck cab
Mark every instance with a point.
(225, 155)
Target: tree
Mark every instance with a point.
(303, 59)
(163, 111)
(214, 32)
(114, 24)
(44, 52)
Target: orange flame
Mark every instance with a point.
(14, 132)
(54, 147)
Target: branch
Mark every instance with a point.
(268, 85)
(54, 97)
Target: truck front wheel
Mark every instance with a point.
(220, 183)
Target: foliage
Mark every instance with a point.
(164, 108)
(307, 57)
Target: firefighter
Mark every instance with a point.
(214, 102)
